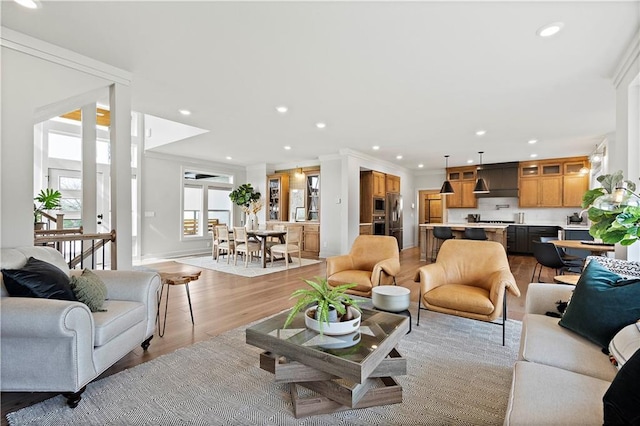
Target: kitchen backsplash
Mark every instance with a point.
(507, 209)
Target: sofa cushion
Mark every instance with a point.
(38, 278)
(120, 315)
(90, 290)
(625, 343)
(544, 395)
(622, 399)
(602, 304)
(545, 342)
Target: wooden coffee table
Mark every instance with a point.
(334, 373)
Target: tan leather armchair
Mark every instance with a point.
(373, 260)
(469, 279)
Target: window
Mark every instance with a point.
(205, 202)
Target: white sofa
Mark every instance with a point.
(60, 346)
(560, 377)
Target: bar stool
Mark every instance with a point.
(169, 279)
(475, 234)
(440, 233)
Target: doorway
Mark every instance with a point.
(430, 205)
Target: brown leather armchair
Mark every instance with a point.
(373, 260)
(469, 279)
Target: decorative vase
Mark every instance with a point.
(252, 223)
(334, 328)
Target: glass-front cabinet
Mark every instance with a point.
(278, 193)
(313, 196)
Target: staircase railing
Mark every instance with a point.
(80, 249)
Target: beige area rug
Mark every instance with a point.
(458, 374)
(254, 269)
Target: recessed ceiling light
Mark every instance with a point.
(469, 161)
(481, 132)
(287, 147)
(420, 165)
(550, 29)
(532, 141)
(375, 147)
(533, 155)
(30, 4)
(282, 109)
(321, 125)
(398, 157)
(228, 157)
(184, 111)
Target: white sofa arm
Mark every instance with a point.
(135, 286)
(542, 297)
(54, 335)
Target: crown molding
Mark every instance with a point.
(630, 57)
(50, 52)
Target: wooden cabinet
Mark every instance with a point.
(311, 239)
(379, 184)
(463, 181)
(553, 183)
(392, 183)
(278, 197)
(366, 229)
(575, 182)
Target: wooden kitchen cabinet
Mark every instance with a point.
(311, 240)
(553, 183)
(379, 184)
(463, 181)
(392, 183)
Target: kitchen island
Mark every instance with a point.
(495, 232)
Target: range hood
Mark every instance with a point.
(501, 178)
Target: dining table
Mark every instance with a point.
(596, 249)
(263, 235)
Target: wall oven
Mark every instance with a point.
(379, 225)
(379, 206)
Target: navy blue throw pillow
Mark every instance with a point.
(39, 279)
(622, 399)
(602, 304)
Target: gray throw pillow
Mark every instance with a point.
(90, 290)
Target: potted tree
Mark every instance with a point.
(326, 307)
(614, 210)
(47, 199)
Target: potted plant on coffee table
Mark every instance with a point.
(329, 310)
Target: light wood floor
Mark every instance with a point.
(223, 302)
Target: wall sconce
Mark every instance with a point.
(299, 173)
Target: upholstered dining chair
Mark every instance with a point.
(373, 260)
(291, 245)
(470, 279)
(244, 245)
(224, 242)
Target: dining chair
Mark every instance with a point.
(225, 243)
(214, 243)
(244, 245)
(563, 253)
(291, 245)
(547, 255)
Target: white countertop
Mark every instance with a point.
(505, 225)
(469, 225)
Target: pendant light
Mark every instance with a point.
(446, 186)
(481, 185)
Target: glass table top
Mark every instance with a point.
(375, 329)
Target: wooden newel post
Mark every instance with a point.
(114, 252)
(59, 220)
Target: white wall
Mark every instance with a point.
(28, 84)
(161, 206)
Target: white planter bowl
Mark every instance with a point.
(333, 328)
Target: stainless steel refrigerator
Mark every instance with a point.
(394, 216)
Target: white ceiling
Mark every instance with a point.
(416, 78)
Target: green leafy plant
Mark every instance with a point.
(244, 195)
(618, 224)
(325, 297)
(48, 199)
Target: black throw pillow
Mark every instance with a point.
(39, 279)
(622, 399)
(602, 304)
